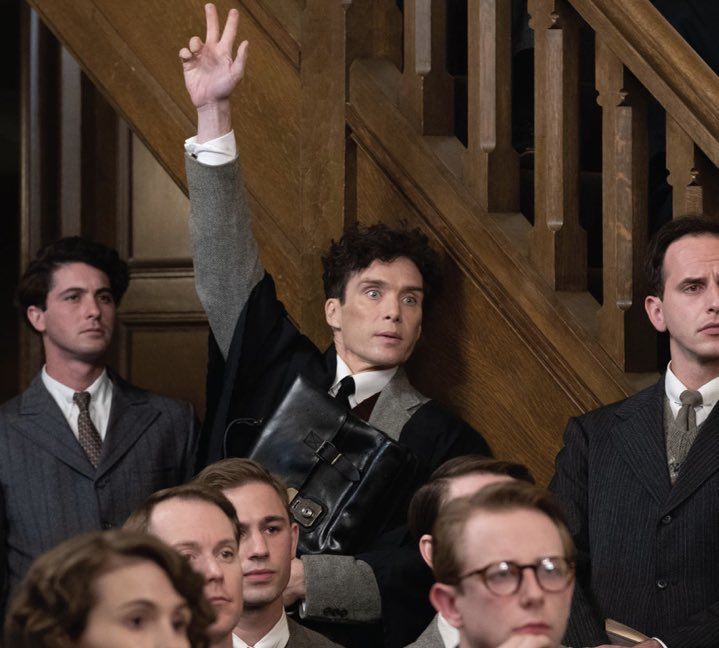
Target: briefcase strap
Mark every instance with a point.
(328, 453)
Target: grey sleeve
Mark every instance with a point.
(340, 588)
(224, 251)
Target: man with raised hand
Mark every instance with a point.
(376, 280)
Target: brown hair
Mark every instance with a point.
(425, 505)
(235, 471)
(360, 246)
(695, 225)
(448, 531)
(52, 604)
(139, 519)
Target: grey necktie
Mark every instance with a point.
(686, 431)
(347, 388)
(88, 435)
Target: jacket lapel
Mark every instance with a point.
(42, 421)
(395, 405)
(639, 438)
(130, 416)
(701, 462)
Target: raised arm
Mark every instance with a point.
(225, 255)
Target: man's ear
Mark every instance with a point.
(295, 530)
(36, 317)
(425, 548)
(333, 313)
(655, 311)
(444, 599)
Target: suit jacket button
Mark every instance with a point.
(666, 519)
(662, 583)
(327, 611)
(343, 613)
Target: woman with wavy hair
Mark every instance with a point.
(113, 589)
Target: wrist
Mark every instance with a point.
(214, 119)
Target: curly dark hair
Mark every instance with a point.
(52, 604)
(36, 281)
(694, 225)
(360, 246)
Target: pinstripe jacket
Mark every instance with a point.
(49, 491)
(649, 552)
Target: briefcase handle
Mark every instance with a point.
(328, 452)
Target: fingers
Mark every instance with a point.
(230, 31)
(238, 65)
(213, 23)
(185, 55)
(195, 44)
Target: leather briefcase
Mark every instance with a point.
(348, 478)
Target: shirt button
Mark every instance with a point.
(666, 519)
(662, 583)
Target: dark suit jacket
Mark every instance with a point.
(49, 491)
(649, 552)
(301, 637)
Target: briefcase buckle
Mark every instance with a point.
(305, 511)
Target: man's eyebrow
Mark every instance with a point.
(73, 289)
(380, 282)
(691, 280)
(187, 544)
(273, 518)
(225, 542)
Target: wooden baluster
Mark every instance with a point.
(491, 165)
(558, 242)
(426, 92)
(624, 330)
(694, 179)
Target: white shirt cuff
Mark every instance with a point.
(660, 642)
(220, 150)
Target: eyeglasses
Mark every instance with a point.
(553, 574)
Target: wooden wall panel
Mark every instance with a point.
(471, 358)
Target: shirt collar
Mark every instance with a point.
(673, 387)
(367, 383)
(98, 390)
(449, 634)
(277, 637)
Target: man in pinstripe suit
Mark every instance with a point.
(80, 448)
(640, 478)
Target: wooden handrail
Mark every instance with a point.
(661, 60)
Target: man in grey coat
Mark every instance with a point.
(80, 448)
(374, 307)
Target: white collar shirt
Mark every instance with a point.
(277, 637)
(449, 634)
(100, 401)
(673, 387)
(367, 383)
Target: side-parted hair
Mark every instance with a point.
(52, 604)
(448, 531)
(139, 519)
(695, 225)
(36, 281)
(427, 501)
(236, 471)
(360, 246)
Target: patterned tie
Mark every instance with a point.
(87, 432)
(347, 388)
(686, 424)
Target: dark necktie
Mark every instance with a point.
(347, 388)
(87, 432)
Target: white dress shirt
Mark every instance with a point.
(673, 387)
(100, 401)
(367, 383)
(449, 634)
(277, 637)
(214, 152)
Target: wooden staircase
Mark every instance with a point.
(346, 115)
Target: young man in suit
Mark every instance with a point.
(458, 477)
(376, 281)
(80, 448)
(504, 563)
(639, 478)
(200, 523)
(267, 547)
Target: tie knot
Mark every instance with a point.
(691, 397)
(347, 386)
(82, 400)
